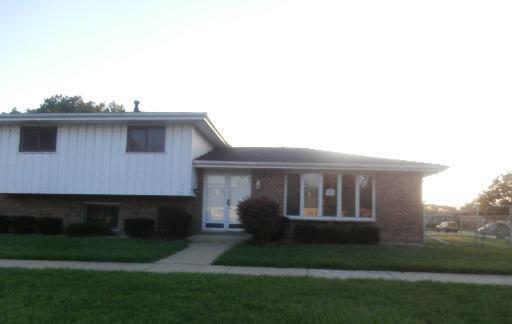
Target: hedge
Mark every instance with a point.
(50, 225)
(139, 227)
(304, 233)
(5, 223)
(259, 216)
(338, 234)
(365, 234)
(333, 234)
(23, 225)
(87, 229)
(173, 222)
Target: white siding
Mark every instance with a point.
(92, 159)
(200, 146)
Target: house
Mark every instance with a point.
(113, 166)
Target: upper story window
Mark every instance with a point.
(330, 196)
(38, 139)
(146, 139)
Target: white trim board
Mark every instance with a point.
(320, 166)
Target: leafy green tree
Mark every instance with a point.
(13, 111)
(75, 104)
(498, 197)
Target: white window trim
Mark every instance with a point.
(339, 199)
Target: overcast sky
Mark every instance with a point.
(417, 80)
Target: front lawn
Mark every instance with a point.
(39, 247)
(429, 258)
(63, 296)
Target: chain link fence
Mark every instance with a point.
(471, 228)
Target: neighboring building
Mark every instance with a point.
(112, 166)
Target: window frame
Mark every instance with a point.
(145, 128)
(83, 213)
(339, 198)
(22, 138)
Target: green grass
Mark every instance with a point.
(468, 240)
(429, 258)
(39, 247)
(63, 296)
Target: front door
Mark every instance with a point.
(222, 192)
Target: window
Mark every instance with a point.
(102, 214)
(146, 139)
(38, 139)
(330, 196)
(293, 194)
(311, 190)
(365, 196)
(349, 195)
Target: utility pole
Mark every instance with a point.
(509, 224)
(476, 222)
(423, 219)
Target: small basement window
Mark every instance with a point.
(146, 139)
(38, 139)
(98, 213)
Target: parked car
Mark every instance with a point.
(447, 227)
(498, 229)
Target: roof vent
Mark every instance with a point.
(136, 108)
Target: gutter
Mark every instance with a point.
(429, 169)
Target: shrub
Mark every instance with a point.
(304, 233)
(364, 234)
(5, 223)
(281, 228)
(173, 222)
(139, 227)
(87, 229)
(259, 217)
(333, 234)
(50, 225)
(23, 225)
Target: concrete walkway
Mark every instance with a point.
(204, 249)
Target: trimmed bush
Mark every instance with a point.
(87, 229)
(5, 223)
(304, 233)
(333, 234)
(281, 228)
(259, 217)
(50, 225)
(365, 234)
(173, 222)
(139, 227)
(23, 225)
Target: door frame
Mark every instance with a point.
(227, 188)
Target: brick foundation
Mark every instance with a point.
(398, 203)
(69, 207)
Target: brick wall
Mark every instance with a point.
(398, 202)
(69, 207)
(399, 206)
(271, 185)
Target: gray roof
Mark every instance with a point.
(285, 157)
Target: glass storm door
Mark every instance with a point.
(222, 194)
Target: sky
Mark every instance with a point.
(426, 81)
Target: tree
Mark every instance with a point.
(498, 197)
(13, 111)
(75, 104)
